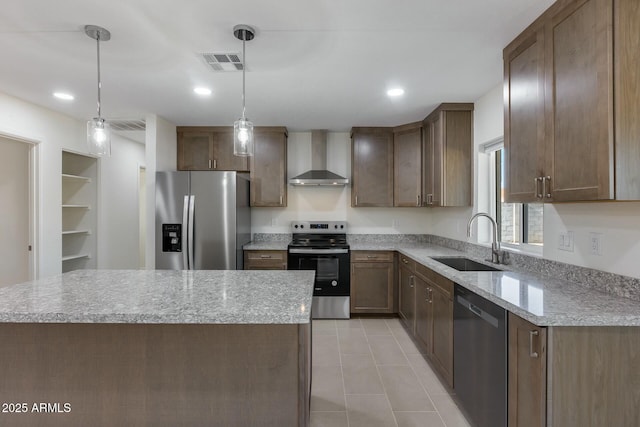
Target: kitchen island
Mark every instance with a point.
(156, 348)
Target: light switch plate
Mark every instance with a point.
(595, 244)
(565, 241)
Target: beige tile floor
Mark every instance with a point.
(368, 372)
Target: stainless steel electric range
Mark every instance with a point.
(322, 246)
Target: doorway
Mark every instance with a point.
(16, 211)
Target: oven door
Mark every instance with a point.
(331, 267)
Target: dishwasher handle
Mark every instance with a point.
(477, 311)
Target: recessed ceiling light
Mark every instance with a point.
(204, 91)
(395, 92)
(63, 96)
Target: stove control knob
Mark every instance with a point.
(334, 283)
(342, 226)
(295, 226)
(335, 226)
(301, 225)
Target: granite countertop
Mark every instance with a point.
(541, 299)
(544, 301)
(266, 246)
(161, 296)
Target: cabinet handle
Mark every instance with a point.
(429, 199)
(215, 164)
(418, 200)
(404, 260)
(209, 163)
(280, 199)
(536, 181)
(265, 256)
(356, 200)
(546, 182)
(411, 280)
(372, 256)
(533, 354)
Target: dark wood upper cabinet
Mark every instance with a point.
(372, 167)
(572, 101)
(407, 165)
(269, 167)
(447, 156)
(208, 148)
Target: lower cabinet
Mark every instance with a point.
(265, 260)
(527, 373)
(424, 315)
(407, 292)
(372, 282)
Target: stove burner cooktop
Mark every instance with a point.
(319, 234)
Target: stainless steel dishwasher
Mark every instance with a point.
(480, 358)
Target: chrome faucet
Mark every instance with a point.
(495, 246)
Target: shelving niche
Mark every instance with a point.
(79, 216)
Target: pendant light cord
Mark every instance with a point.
(244, 66)
(99, 82)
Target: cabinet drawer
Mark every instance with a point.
(265, 260)
(371, 256)
(407, 262)
(444, 284)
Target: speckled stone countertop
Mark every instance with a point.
(543, 301)
(161, 296)
(266, 246)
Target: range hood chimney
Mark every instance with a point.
(319, 175)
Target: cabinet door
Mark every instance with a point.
(579, 102)
(434, 161)
(524, 119)
(372, 287)
(407, 297)
(527, 373)
(407, 158)
(195, 151)
(223, 153)
(456, 164)
(372, 167)
(269, 169)
(424, 315)
(442, 342)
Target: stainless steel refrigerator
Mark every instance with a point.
(202, 220)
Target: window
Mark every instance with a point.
(520, 225)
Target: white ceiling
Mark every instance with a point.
(315, 64)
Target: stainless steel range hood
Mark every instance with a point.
(319, 175)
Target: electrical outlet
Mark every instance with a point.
(565, 241)
(274, 222)
(595, 243)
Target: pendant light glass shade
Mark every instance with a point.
(242, 137)
(243, 128)
(99, 137)
(98, 130)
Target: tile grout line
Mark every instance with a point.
(378, 370)
(414, 371)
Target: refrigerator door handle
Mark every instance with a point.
(192, 210)
(185, 236)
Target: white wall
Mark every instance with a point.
(52, 132)
(161, 155)
(328, 203)
(488, 122)
(118, 221)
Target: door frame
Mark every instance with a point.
(35, 224)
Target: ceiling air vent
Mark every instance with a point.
(223, 61)
(127, 125)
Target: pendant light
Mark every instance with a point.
(243, 128)
(98, 130)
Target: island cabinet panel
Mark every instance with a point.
(572, 99)
(527, 374)
(407, 158)
(407, 292)
(208, 148)
(157, 375)
(269, 168)
(265, 260)
(373, 282)
(447, 159)
(372, 167)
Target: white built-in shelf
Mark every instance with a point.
(77, 206)
(72, 257)
(66, 233)
(76, 177)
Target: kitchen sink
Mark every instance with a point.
(464, 264)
